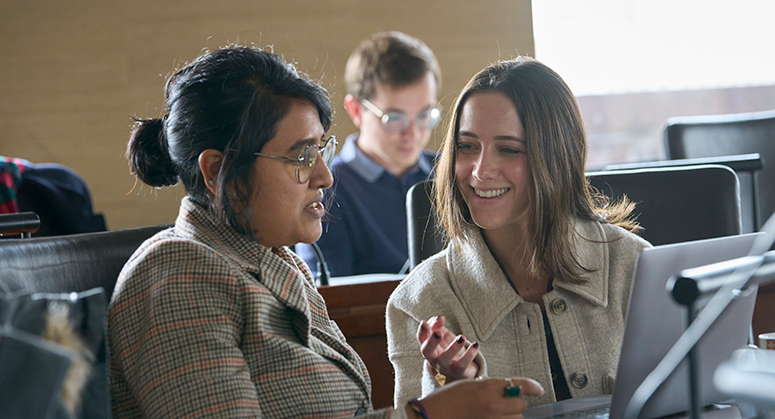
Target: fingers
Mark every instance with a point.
(529, 386)
(430, 349)
(423, 332)
(465, 366)
(480, 398)
(445, 336)
(426, 328)
(511, 404)
(455, 361)
(434, 338)
(453, 351)
(437, 322)
(517, 402)
(446, 352)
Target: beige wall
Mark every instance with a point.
(73, 71)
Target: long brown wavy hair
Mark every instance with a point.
(556, 151)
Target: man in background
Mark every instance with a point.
(392, 83)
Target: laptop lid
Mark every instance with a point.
(655, 322)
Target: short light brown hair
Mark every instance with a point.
(393, 59)
(556, 151)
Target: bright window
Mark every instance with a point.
(635, 63)
(611, 46)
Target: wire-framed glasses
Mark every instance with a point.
(309, 157)
(397, 121)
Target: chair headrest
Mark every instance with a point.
(71, 263)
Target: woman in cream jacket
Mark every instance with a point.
(536, 278)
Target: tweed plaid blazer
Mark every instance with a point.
(205, 322)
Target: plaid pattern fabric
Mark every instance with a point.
(206, 323)
(11, 170)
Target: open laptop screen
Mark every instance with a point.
(655, 322)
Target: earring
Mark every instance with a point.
(211, 182)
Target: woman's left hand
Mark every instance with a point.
(446, 352)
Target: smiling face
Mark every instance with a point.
(492, 169)
(284, 211)
(397, 152)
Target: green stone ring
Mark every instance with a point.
(511, 389)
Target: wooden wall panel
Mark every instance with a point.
(72, 73)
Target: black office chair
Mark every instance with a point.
(425, 234)
(673, 204)
(719, 135)
(69, 264)
(678, 204)
(744, 165)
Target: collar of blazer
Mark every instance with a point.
(486, 294)
(278, 270)
(286, 276)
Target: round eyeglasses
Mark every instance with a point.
(307, 159)
(397, 121)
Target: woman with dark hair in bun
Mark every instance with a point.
(216, 316)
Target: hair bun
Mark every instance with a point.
(148, 154)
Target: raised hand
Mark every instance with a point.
(446, 352)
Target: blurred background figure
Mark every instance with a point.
(56, 193)
(392, 84)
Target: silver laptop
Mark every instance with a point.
(655, 322)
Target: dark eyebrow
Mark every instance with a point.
(497, 138)
(509, 138)
(301, 144)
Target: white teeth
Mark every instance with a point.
(315, 205)
(490, 194)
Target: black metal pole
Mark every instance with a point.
(323, 273)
